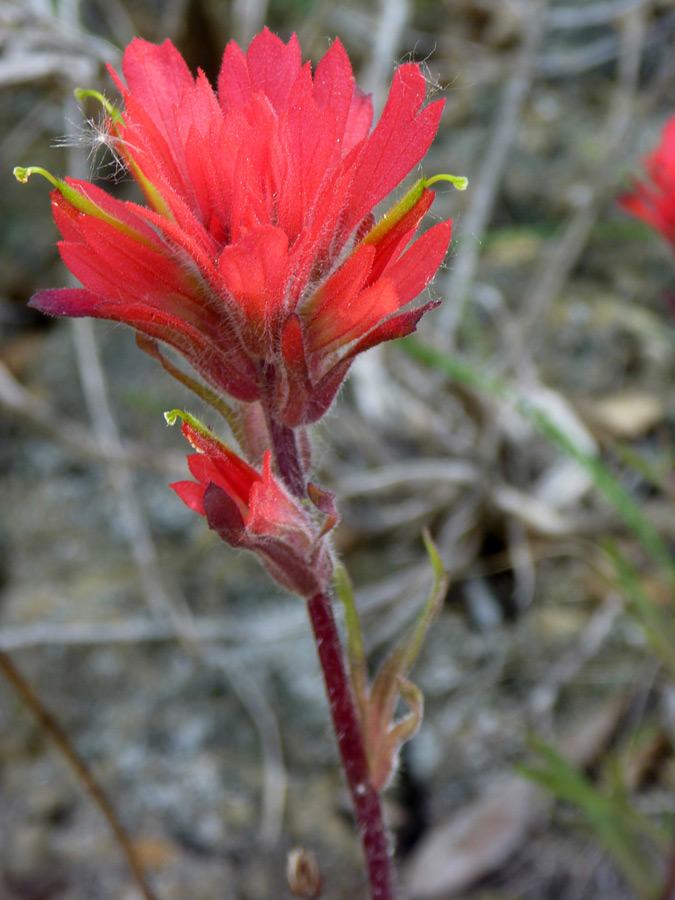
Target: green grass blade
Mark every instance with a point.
(605, 482)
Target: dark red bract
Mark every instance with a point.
(257, 256)
(252, 510)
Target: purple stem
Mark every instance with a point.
(352, 750)
(668, 892)
(287, 456)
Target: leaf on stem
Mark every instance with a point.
(383, 733)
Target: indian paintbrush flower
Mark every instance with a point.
(653, 200)
(257, 256)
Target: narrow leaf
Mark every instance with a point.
(356, 655)
(617, 834)
(386, 753)
(385, 689)
(658, 627)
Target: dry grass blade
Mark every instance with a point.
(47, 721)
(485, 184)
(19, 404)
(562, 252)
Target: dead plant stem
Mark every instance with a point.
(49, 724)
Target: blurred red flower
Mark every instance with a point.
(257, 256)
(653, 200)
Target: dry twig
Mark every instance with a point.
(562, 252)
(485, 184)
(49, 724)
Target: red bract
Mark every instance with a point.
(653, 200)
(257, 256)
(252, 510)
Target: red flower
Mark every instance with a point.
(257, 256)
(252, 510)
(653, 200)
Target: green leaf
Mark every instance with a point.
(397, 734)
(356, 655)
(391, 679)
(614, 822)
(658, 626)
(383, 735)
(397, 665)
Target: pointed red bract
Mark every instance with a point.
(257, 256)
(252, 510)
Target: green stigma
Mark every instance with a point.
(458, 181)
(173, 415)
(396, 213)
(79, 200)
(23, 173)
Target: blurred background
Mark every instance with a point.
(531, 429)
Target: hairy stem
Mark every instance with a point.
(47, 721)
(352, 750)
(287, 457)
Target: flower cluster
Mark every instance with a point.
(653, 200)
(257, 257)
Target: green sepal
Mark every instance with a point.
(356, 655)
(151, 347)
(390, 218)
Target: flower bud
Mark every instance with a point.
(254, 511)
(256, 256)
(302, 874)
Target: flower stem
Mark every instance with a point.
(352, 750)
(287, 456)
